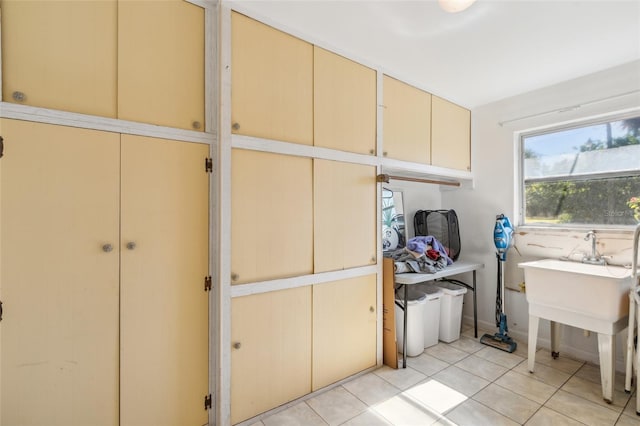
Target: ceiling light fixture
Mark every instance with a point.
(454, 6)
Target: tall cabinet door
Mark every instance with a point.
(344, 203)
(344, 329)
(60, 55)
(161, 63)
(164, 308)
(59, 210)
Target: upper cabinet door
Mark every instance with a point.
(344, 203)
(344, 103)
(406, 122)
(272, 216)
(271, 83)
(161, 63)
(450, 135)
(60, 55)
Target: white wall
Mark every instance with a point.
(494, 166)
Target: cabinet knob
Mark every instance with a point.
(234, 277)
(237, 345)
(372, 151)
(18, 96)
(373, 259)
(236, 126)
(131, 245)
(196, 125)
(107, 248)
(371, 309)
(384, 153)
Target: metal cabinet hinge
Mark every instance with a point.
(0, 310)
(207, 283)
(208, 165)
(1, 146)
(207, 402)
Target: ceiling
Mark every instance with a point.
(491, 51)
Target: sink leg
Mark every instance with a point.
(533, 338)
(555, 339)
(607, 350)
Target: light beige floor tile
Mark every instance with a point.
(581, 409)
(592, 373)
(628, 421)
(547, 417)
(481, 332)
(461, 380)
(543, 373)
(402, 378)
(505, 402)
(473, 413)
(562, 363)
(447, 353)
(467, 344)
(593, 392)
(403, 410)
(368, 418)
(499, 357)
(336, 406)
(526, 386)
(426, 364)
(438, 397)
(299, 414)
(481, 367)
(371, 389)
(630, 409)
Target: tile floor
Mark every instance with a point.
(467, 383)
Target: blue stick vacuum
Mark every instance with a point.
(503, 239)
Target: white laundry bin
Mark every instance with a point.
(450, 310)
(415, 321)
(431, 317)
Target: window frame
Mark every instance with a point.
(556, 128)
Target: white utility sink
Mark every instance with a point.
(591, 297)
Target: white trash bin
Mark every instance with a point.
(431, 315)
(450, 310)
(415, 322)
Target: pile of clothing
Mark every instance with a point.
(423, 254)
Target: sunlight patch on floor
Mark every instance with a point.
(422, 404)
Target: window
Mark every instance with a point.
(582, 175)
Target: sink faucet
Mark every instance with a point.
(595, 258)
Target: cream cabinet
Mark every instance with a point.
(161, 63)
(271, 350)
(450, 135)
(104, 253)
(164, 333)
(271, 83)
(344, 329)
(344, 103)
(134, 60)
(344, 212)
(59, 284)
(272, 216)
(60, 55)
(406, 122)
